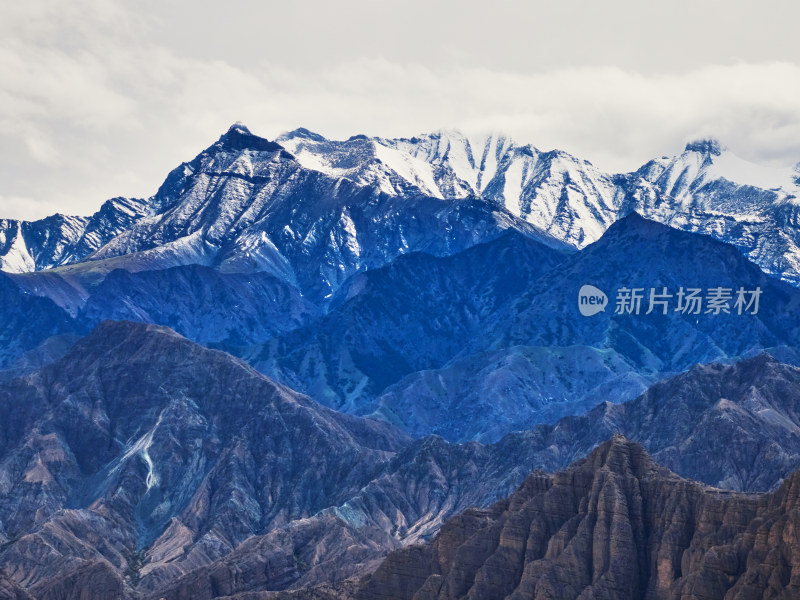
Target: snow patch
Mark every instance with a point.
(142, 448)
(415, 171)
(512, 190)
(737, 170)
(18, 259)
(318, 162)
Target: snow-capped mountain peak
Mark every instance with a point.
(365, 161)
(707, 146)
(706, 161)
(553, 191)
(239, 127)
(238, 137)
(300, 132)
(247, 203)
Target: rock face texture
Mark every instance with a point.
(613, 525)
(704, 425)
(142, 465)
(413, 314)
(11, 591)
(141, 455)
(639, 253)
(484, 396)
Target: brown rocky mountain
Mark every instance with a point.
(10, 590)
(614, 525)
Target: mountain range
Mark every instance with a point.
(246, 204)
(453, 345)
(383, 277)
(310, 368)
(163, 469)
(613, 525)
(469, 346)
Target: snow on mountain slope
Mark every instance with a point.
(444, 163)
(305, 207)
(707, 162)
(567, 197)
(59, 239)
(553, 191)
(705, 189)
(364, 161)
(709, 190)
(16, 254)
(462, 166)
(451, 148)
(246, 204)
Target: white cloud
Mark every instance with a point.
(91, 106)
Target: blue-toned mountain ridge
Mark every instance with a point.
(533, 357)
(389, 277)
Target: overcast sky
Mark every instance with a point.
(101, 98)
